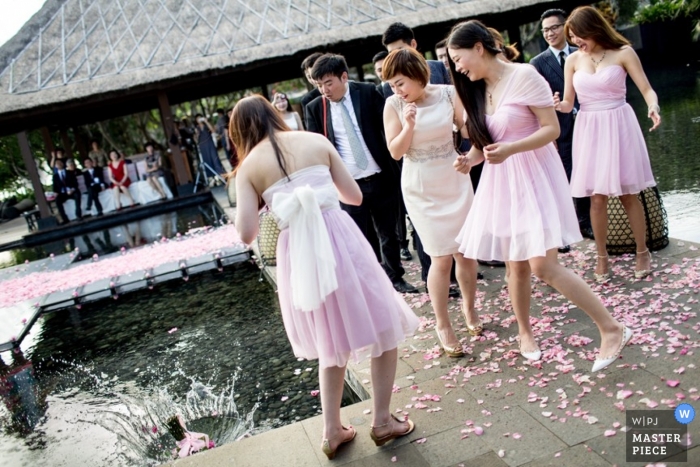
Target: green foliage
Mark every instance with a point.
(626, 9)
(667, 10)
(14, 178)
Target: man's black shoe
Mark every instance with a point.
(402, 286)
(494, 263)
(565, 249)
(479, 276)
(587, 232)
(454, 292)
(406, 255)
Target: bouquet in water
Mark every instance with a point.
(188, 442)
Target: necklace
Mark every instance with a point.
(493, 88)
(597, 62)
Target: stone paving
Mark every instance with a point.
(553, 413)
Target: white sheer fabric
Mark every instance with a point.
(312, 259)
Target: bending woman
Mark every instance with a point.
(523, 210)
(335, 298)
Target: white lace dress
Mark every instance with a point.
(437, 197)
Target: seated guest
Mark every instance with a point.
(94, 184)
(97, 155)
(154, 170)
(58, 154)
(119, 178)
(65, 185)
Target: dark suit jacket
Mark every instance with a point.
(438, 75)
(369, 111)
(71, 181)
(93, 180)
(548, 66)
(306, 98)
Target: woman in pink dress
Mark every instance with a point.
(609, 154)
(119, 178)
(522, 211)
(337, 303)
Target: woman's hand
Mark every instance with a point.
(462, 164)
(409, 114)
(653, 114)
(557, 101)
(497, 152)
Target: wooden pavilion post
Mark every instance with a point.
(48, 143)
(182, 176)
(67, 145)
(515, 38)
(30, 165)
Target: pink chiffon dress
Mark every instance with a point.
(337, 302)
(523, 206)
(609, 153)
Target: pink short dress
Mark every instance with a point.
(356, 313)
(609, 153)
(523, 206)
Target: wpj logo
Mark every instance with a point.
(656, 435)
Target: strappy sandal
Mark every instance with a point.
(381, 441)
(474, 330)
(604, 277)
(326, 445)
(451, 351)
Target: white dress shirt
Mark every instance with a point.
(556, 52)
(341, 139)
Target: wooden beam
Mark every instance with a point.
(49, 147)
(30, 165)
(166, 117)
(67, 145)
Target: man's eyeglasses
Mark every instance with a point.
(552, 28)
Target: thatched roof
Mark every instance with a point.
(78, 49)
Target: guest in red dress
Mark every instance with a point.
(119, 178)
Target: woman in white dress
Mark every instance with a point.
(290, 117)
(418, 121)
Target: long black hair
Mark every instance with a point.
(254, 119)
(472, 93)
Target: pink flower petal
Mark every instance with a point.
(610, 433)
(672, 383)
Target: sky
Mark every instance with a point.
(14, 14)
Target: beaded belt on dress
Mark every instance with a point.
(433, 152)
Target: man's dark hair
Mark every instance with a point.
(397, 32)
(310, 61)
(60, 149)
(553, 12)
(219, 111)
(442, 44)
(329, 64)
(379, 56)
(149, 143)
(86, 160)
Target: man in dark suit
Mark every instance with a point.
(350, 115)
(65, 185)
(378, 63)
(306, 67)
(399, 36)
(550, 64)
(94, 184)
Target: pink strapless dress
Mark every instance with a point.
(609, 153)
(523, 206)
(364, 316)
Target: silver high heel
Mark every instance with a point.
(604, 277)
(644, 272)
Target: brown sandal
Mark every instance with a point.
(385, 439)
(326, 445)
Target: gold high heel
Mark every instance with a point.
(644, 272)
(326, 445)
(604, 277)
(475, 330)
(455, 351)
(386, 438)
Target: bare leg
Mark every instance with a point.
(520, 289)
(574, 288)
(466, 278)
(599, 222)
(117, 197)
(383, 374)
(635, 214)
(331, 381)
(126, 191)
(439, 289)
(155, 184)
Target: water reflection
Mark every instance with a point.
(105, 378)
(675, 148)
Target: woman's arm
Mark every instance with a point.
(566, 105)
(111, 175)
(460, 117)
(247, 204)
(398, 136)
(126, 175)
(549, 131)
(300, 124)
(464, 162)
(631, 63)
